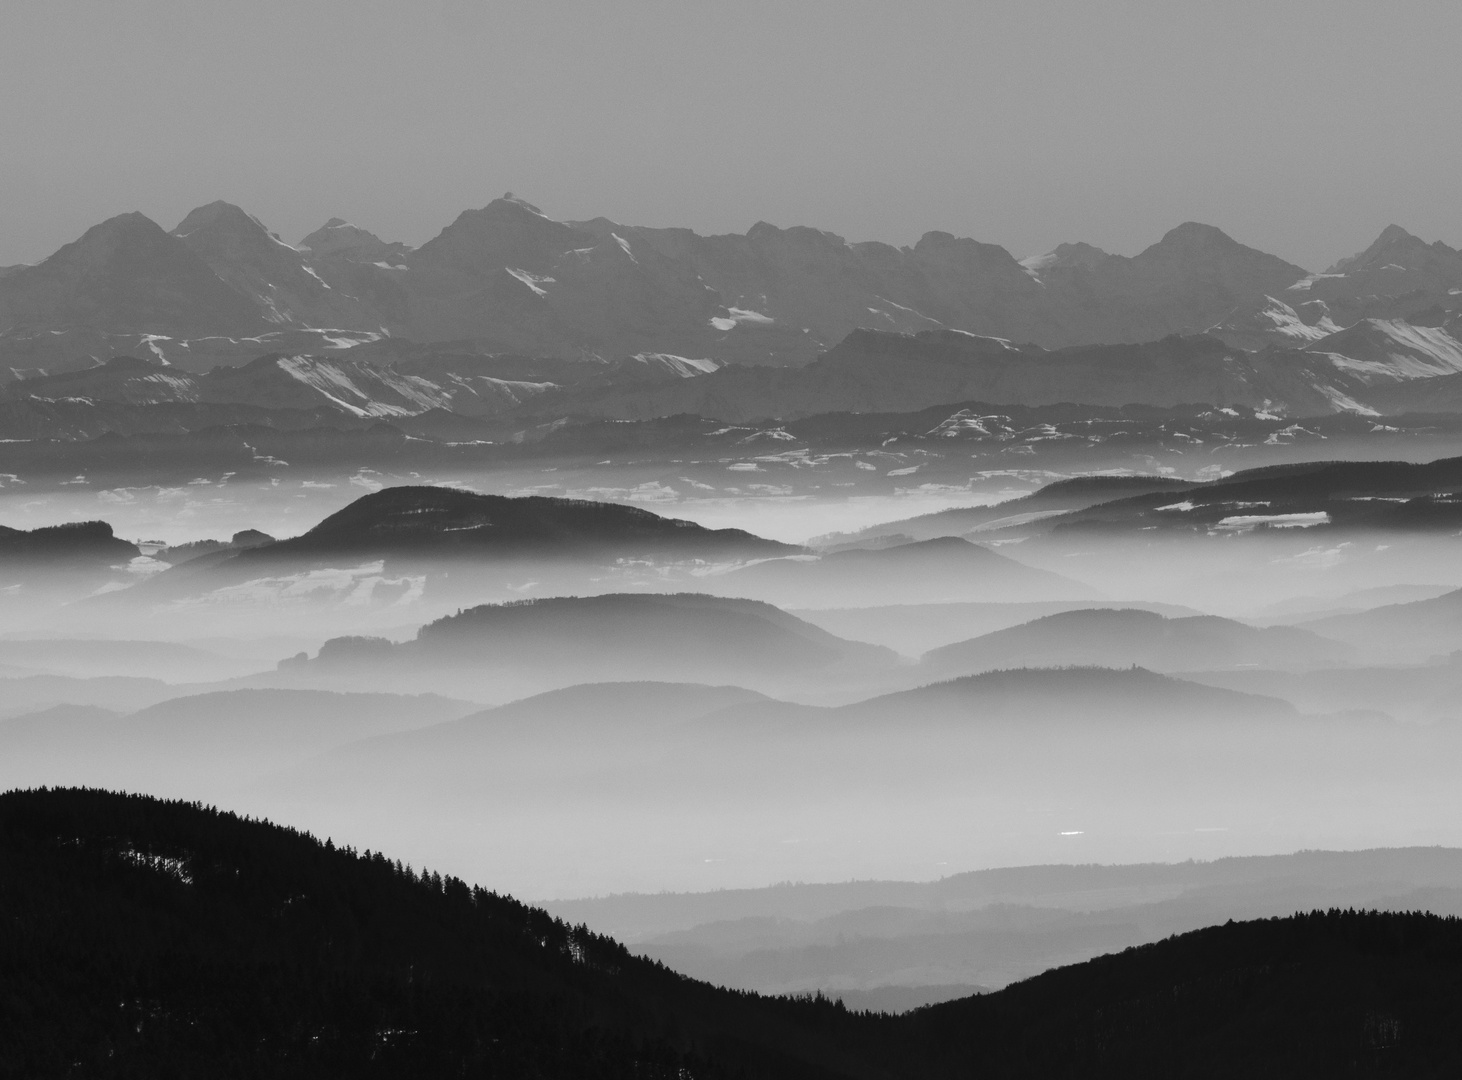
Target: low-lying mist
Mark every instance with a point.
(568, 698)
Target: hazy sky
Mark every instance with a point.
(1299, 127)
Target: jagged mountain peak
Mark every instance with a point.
(1395, 246)
(1194, 247)
(219, 214)
(125, 275)
(122, 230)
(1197, 231)
(1195, 239)
(1394, 232)
(509, 197)
(340, 238)
(505, 233)
(765, 232)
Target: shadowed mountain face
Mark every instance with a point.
(163, 936)
(1120, 638)
(125, 274)
(273, 275)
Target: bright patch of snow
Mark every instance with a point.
(1343, 403)
(1004, 343)
(1288, 322)
(1184, 506)
(1411, 352)
(1304, 283)
(533, 281)
(723, 324)
(685, 366)
(1288, 435)
(911, 311)
(150, 341)
(624, 246)
(345, 339)
(1275, 521)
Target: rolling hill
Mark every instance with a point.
(1127, 637)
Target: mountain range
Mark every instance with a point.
(606, 302)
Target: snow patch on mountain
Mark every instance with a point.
(1288, 322)
(1304, 284)
(624, 246)
(335, 383)
(735, 315)
(685, 367)
(533, 281)
(1379, 350)
(1004, 343)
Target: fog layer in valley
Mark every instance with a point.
(575, 698)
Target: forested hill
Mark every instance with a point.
(144, 938)
(150, 938)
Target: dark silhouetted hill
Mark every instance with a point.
(83, 543)
(439, 522)
(152, 938)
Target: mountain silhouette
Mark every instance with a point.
(442, 522)
(169, 938)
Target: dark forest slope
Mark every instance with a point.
(147, 939)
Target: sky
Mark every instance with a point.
(1302, 128)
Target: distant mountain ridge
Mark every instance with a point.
(512, 280)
